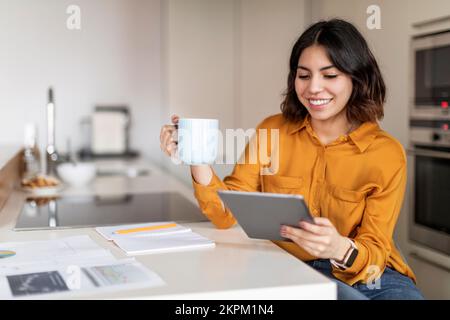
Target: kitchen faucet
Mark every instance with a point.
(51, 154)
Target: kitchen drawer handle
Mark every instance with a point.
(429, 153)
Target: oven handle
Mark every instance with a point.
(429, 153)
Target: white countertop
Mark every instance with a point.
(237, 268)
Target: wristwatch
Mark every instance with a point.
(349, 257)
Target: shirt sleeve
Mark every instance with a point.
(373, 237)
(245, 177)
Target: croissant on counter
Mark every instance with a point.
(40, 181)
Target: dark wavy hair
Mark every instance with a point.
(348, 51)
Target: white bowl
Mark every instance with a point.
(77, 174)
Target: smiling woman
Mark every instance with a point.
(331, 150)
(335, 79)
(324, 91)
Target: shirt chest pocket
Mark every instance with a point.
(282, 184)
(343, 207)
(346, 195)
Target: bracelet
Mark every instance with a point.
(347, 253)
(342, 264)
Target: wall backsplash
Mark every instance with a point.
(114, 58)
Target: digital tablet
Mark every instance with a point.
(261, 214)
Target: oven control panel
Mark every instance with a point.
(430, 132)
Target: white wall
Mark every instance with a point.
(227, 60)
(268, 30)
(113, 59)
(198, 50)
(390, 45)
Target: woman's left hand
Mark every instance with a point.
(321, 239)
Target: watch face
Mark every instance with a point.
(352, 258)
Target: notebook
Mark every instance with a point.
(167, 243)
(142, 230)
(154, 238)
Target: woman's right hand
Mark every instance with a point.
(168, 137)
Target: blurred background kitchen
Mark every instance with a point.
(225, 59)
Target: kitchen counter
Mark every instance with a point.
(237, 268)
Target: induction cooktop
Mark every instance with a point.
(90, 211)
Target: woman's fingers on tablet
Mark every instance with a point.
(305, 235)
(322, 221)
(318, 245)
(310, 247)
(322, 229)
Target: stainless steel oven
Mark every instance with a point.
(431, 77)
(430, 219)
(429, 223)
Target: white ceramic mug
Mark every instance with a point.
(198, 141)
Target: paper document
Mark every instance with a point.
(73, 280)
(68, 266)
(69, 249)
(154, 238)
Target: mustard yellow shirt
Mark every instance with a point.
(357, 182)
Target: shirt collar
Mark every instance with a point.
(299, 125)
(362, 137)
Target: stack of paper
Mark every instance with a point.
(154, 237)
(68, 266)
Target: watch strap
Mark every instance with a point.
(349, 258)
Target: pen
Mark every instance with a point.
(6, 253)
(149, 228)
